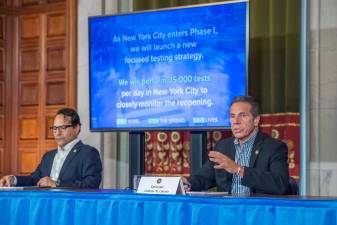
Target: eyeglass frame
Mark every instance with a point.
(61, 128)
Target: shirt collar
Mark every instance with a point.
(68, 146)
(250, 140)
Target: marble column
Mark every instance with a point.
(113, 146)
(323, 97)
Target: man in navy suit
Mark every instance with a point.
(72, 164)
(249, 162)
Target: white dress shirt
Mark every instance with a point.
(60, 157)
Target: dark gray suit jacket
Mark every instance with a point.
(81, 169)
(267, 172)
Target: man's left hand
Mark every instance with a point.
(46, 182)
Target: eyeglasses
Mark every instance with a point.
(60, 128)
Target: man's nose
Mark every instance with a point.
(236, 120)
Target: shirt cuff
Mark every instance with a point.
(14, 180)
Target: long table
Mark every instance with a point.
(103, 207)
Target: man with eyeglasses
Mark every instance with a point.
(249, 162)
(72, 164)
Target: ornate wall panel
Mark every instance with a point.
(37, 77)
(167, 153)
(55, 1)
(56, 25)
(2, 52)
(30, 27)
(27, 162)
(2, 25)
(3, 83)
(1, 144)
(29, 93)
(1, 93)
(29, 129)
(29, 2)
(1, 129)
(49, 123)
(1, 160)
(30, 60)
(56, 58)
(55, 93)
(28, 157)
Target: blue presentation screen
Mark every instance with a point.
(168, 69)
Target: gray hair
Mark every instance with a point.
(251, 101)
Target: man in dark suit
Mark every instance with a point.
(248, 162)
(72, 164)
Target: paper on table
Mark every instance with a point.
(207, 193)
(10, 188)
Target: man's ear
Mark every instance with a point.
(78, 128)
(257, 121)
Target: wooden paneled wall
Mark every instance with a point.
(2, 88)
(37, 77)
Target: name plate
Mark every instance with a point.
(161, 185)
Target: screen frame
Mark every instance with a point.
(137, 129)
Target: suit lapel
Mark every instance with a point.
(231, 151)
(73, 152)
(256, 149)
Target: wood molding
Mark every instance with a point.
(38, 67)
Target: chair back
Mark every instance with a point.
(292, 187)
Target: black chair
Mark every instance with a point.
(292, 187)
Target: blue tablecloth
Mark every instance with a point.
(122, 208)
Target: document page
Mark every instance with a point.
(10, 188)
(207, 193)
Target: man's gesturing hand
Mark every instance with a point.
(223, 162)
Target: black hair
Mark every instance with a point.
(255, 110)
(74, 117)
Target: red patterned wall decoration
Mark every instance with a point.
(167, 153)
(286, 127)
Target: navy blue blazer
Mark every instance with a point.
(81, 169)
(267, 173)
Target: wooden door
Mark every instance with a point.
(41, 78)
